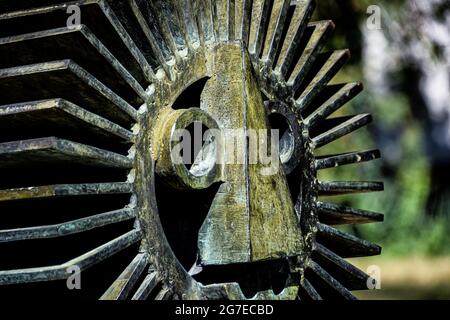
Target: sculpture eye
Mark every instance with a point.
(170, 150)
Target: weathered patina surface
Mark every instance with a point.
(90, 112)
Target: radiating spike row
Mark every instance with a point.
(348, 275)
(316, 35)
(150, 283)
(344, 128)
(145, 16)
(225, 11)
(61, 118)
(76, 44)
(65, 190)
(67, 228)
(332, 188)
(330, 281)
(259, 22)
(122, 287)
(338, 96)
(168, 24)
(83, 262)
(44, 150)
(345, 245)
(187, 22)
(292, 40)
(333, 214)
(97, 16)
(275, 30)
(333, 161)
(326, 66)
(64, 79)
(310, 290)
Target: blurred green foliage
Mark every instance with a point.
(408, 229)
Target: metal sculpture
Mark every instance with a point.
(87, 120)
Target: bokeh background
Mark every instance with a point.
(404, 63)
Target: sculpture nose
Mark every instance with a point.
(252, 216)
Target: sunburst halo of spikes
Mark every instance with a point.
(72, 104)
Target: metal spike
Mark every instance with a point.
(243, 18)
(186, 18)
(333, 64)
(332, 282)
(205, 21)
(341, 130)
(333, 214)
(84, 262)
(67, 228)
(302, 14)
(74, 83)
(344, 244)
(274, 30)
(332, 188)
(14, 154)
(347, 274)
(333, 161)
(121, 288)
(164, 294)
(309, 289)
(96, 10)
(258, 28)
(320, 32)
(163, 56)
(340, 98)
(58, 112)
(148, 285)
(226, 19)
(170, 30)
(65, 190)
(36, 47)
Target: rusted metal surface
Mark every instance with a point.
(92, 110)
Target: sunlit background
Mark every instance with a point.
(401, 52)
